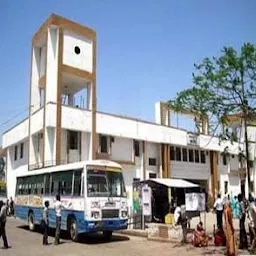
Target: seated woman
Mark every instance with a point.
(219, 237)
(199, 237)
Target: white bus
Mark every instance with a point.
(92, 191)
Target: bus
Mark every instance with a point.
(93, 193)
(3, 191)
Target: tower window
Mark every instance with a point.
(103, 144)
(77, 50)
(136, 148)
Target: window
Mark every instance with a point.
(226, 187)
(47, 184)
(103, 144)
(136, 148)
(77, 183)
(178, 154)
(196, 156)
(62, 183)
(191, 155)
(152, 175)
(15, 153)
(152, 161)
(202, 153)
(172, 153)
(77, 50)
(184, 154)
(250, 163)
(21, 150)
(73, 140)
(224, 159)
(233, 156)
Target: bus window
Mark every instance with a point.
(62, 183)
(47, 184)
(77, 183)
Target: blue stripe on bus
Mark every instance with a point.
(83, 226)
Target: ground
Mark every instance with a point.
(28, 243)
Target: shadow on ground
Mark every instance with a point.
(93, 238)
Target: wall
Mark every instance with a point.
(37, 121)
(17, 133)
(152, 151)
(84, 59)
(20, 161)
(64, 146)
(122, 149)
(42, 61)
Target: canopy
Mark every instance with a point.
(175, 183)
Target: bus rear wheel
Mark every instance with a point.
(107, 234)
(31, 224)
(73, 230)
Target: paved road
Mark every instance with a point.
(28, 243)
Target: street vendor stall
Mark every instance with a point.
(165, 195)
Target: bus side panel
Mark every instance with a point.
(78, 215)
(22, 212)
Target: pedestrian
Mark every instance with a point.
(229, 231)
(45, 222)
(58, 208)
(11, 206)
(3, 211)
(243, 237)
(218, 206)
(252, 224)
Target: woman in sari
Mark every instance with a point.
(230, 232)
(200, 238)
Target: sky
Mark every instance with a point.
(146, 49)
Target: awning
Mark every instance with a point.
(175, 183)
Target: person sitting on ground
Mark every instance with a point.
(200, 238)
(219, 236)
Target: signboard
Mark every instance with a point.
(192, 140)
(146, 200)
(195, 202)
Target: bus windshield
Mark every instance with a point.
(101, 183)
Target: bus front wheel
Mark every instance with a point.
(73, 230)
(31, 224)
(107, 234)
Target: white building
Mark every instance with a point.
(64, 125)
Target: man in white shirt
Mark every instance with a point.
(58, 208)
(218, 206)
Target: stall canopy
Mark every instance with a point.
(175, 183)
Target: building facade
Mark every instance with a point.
(64, 125)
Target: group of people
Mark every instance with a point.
(8, 209)
(237, 208)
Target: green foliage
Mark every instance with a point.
(223, 86)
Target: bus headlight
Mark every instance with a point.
(95, 204)
(95, 215)
(124, 214)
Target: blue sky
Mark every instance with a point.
(145, 51)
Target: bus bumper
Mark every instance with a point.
(103, 225)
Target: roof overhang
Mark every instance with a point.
(175, 183)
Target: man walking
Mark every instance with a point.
(3, 212)
(218, 206)
(243, 236)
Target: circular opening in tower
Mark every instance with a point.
(77, 50)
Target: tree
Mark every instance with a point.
(223, 86)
